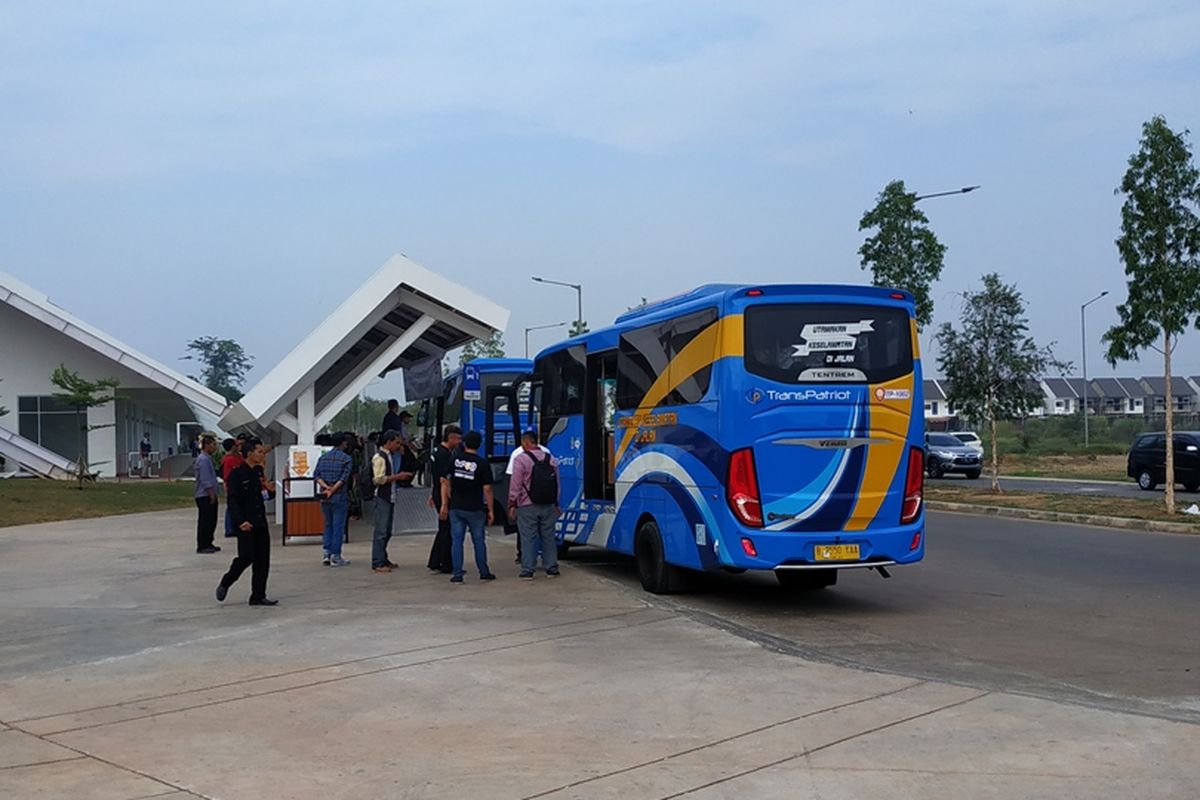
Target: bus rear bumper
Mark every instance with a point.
(798, 550)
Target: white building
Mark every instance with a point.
(41, 434)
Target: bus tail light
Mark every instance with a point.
(741, 490)
(748, 547)
(914, 486)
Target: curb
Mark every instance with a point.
(1092, 481)
(1123, 523)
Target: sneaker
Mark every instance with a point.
(488, 577)
(552, 573)
(262, 601)
(457, 579)
(338, 561)
(222, 590)
(526, 576)
(393, 565)
(207, 551)
(325, 560)
(385, 569)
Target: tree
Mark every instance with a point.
(362, 415)
(225, 365)
(492, 347)
(1160, 246)
(82, 394)
(903, 253)
(992, 365)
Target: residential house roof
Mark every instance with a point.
(933, 390)
(1108, 387)
(1060, 387)
(1157, 387)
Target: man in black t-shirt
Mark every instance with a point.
(443, 456)
(467, 504)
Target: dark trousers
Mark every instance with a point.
(439, 555)
(206, 523)
(254, 552)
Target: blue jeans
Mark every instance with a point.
(460, 521)
(384, 512)
(335, 526)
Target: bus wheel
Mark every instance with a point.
(658, 577)
(806, 579)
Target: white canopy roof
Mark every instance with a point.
(204, 401)
(403, 314)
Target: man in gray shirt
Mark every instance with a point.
(206, 497)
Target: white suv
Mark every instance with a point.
(970, 439)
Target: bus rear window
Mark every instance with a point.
(811, 343)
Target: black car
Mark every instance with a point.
(945, 454)
(1148, 460)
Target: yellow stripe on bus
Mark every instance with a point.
(725, 337)
(883, 459)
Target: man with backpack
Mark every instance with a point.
(533, 500)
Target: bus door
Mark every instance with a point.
(599, 432)
(502, 435)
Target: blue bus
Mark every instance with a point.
(736, 428)
(490, 413)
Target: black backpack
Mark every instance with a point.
(543, 481)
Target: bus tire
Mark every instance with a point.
(806, 579)
(658, 577)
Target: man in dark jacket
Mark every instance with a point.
(443, 464)
(248, 510)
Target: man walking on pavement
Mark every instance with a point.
(533, 500)
(384, 479)
(206, 497)
(443, 458)
(467, 503)
(229, 462)
(248, 501)
(333, 474)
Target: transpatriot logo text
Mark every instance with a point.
(754, 396)
(807, 395)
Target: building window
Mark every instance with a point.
(53, 424)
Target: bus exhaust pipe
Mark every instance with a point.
(882, 570)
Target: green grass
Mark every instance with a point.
(28, 501)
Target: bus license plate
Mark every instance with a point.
(836, 552)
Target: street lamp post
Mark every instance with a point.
(539, 328)
(1083, 339)
(578, 287)
(963, 190)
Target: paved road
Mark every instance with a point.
(1101, 617)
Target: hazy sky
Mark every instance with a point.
(174, 170)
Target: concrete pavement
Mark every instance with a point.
(121, 677)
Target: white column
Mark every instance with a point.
(306, 415)
(102, 443)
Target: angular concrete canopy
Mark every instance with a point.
(403, 314)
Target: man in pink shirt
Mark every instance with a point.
(533, 502)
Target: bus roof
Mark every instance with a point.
(715, 294)
(491, 365)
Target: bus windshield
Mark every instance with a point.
(810, 343)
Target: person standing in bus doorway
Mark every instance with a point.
(443, 458)
(391, 420)
(248, 499)
(206, 497)
(467, 504)
(385, 479)
(533, 500)
(332, 474)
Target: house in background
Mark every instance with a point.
(1061, 397)
(1136, 393)
(1112, 399)
(937, 406)
(1184, 398)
